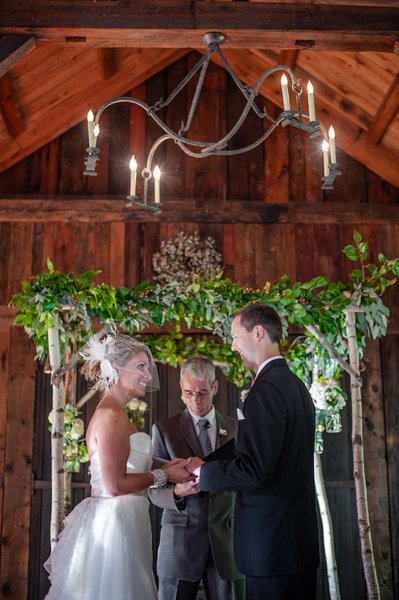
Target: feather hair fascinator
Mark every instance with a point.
(96, 351)
(118, 355)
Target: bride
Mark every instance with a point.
(105, 549)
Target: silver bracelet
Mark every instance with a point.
(160, 478)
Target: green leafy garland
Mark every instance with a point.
(210, 304)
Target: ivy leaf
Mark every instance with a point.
(350, 252)
(357, 236)
(50, 265)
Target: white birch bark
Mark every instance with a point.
(328, 536)
(363, 518)
(325, 517)
(57, 438)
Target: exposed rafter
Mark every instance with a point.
(9, 108)
(388, 108)
(12, 49)
(181, 23)
(70, 107)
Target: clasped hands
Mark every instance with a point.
(184, 472)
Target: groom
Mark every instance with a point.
(276, 537)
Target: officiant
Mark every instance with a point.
(196, 540)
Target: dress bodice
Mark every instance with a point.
(139, 461)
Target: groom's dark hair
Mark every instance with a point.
(264, 315)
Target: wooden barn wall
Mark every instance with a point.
(286, 170)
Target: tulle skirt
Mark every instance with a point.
(104, 552)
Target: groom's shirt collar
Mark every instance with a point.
(265, 362)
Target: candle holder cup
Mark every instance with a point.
(133, 201)
(333, 172)
(91, 161)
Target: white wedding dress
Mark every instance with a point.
(104, 551)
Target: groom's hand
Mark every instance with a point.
(194, 464)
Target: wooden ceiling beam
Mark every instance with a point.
(181, 23)
(12, 49)
(9, 109)
(75, 209)
(386, 112)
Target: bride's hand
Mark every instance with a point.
(176, 471)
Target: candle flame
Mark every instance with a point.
(96, 130)
(325, 146)
(331, 133)
(309, 87)
(133, 164)
(284, 80)
(157, 172)
(90, 116)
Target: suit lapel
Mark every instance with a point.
(187, 430)
(221, 424)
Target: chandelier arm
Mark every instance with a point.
(176, 136)
(241, 86)
(154, 147)
(130, 99)
(272, 70)
(184, 82)
(222, 142)
(197, 92)
(237, 151)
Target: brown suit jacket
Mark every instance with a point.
(207, 520)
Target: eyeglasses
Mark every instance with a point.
(202, 395)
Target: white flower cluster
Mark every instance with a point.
(138, 405)
(327, 394)
(185, 255)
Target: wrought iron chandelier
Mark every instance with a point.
(295, 117)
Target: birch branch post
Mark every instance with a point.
(57, 439)
(328, 535)
(326, 520)
(363, 518)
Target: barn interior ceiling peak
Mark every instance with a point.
(58, 59)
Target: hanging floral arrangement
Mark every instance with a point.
(184, 256)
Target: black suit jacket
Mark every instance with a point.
(275, 517)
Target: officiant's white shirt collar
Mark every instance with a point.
(211, 416)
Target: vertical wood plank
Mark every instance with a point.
(102, 245)
(228, 250)
(276, 163)
(18, 468)
(4, 367)
(5, 253)
(244, 249)
(20, 260)
(71, 178)
(117, 255)
(84, 246)
(119, 150)
(173, 172)
(132, 254)
(390, 354)
(376, 465)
